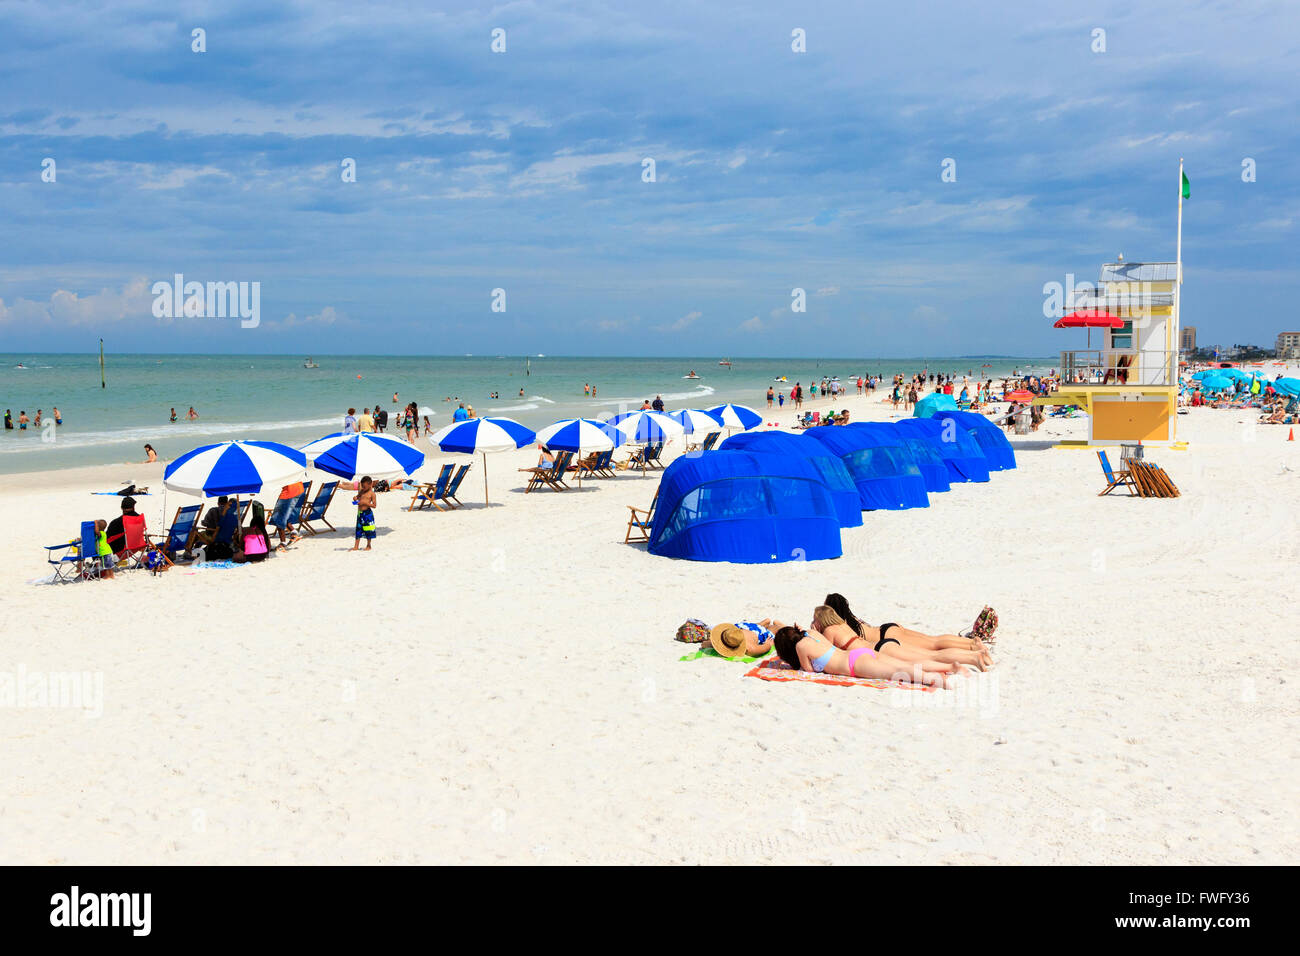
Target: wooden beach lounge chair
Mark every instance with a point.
(641, 526)
(1116, 479)
(605, 467)
(652, 453)
(450, 495)
(429, 492)
(179, 538)
(324, 495)
(1151, 480)
(288, 511)
(710, 440)
(587, 467)
(552, 477)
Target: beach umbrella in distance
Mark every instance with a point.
(697, 420)
(932, 403)
(643, 426)
(482, 435)
(1216, 382)
(580, 436)
(352, 454)
(234, 468)
(737, 416)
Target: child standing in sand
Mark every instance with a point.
(365, 502)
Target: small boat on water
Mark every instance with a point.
(310, 363)
(726, 363)
(692, 375)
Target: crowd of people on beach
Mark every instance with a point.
(1277, 399)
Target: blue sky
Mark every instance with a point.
(522, 170)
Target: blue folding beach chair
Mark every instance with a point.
(324, 495)
(450, 495)
(66, 559)
(429, 493)
(652, 453)
(1115, 479)
(288, 511)
(180, 536)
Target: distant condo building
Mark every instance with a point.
(1288, 345)
(1187, 338)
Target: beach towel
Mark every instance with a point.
(123, 494)
(775, 669)
(224, 565)
(710, 652)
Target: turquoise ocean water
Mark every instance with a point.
(276, 398)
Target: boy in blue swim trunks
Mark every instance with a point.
(365, 502)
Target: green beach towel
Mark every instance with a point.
(710, 652)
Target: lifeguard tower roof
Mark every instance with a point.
(1139, 272)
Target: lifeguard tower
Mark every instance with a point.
(1129, 386)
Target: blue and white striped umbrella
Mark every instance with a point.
(643, 426)
(580, 435)
(698, 420)
(234, 468)
(352, 454)
(483, 435)
(738, 416)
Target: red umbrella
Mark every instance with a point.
(1020, 395)
(1089, 319)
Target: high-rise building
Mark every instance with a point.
(1288, 345)
(1187, 338)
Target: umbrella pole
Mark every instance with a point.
(486, 503)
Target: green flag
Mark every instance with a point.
(1187, 187)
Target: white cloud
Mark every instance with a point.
(65, 308)
(683, 323)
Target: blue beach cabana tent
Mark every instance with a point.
(928, 460)
(835, 476)
(997, 449)
(884, 471)
(963, 456)
(744, 507)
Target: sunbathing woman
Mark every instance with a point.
(811, 651)
(983, 630)
(829, 623)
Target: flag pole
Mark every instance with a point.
(1177, 323)
(1179, 255)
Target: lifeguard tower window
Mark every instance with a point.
(1122, 338)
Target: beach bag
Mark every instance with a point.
(254, 544)
(693, 632)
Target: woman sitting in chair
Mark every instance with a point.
(256, 545)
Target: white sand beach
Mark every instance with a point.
(501, 684)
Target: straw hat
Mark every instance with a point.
(728, 640)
